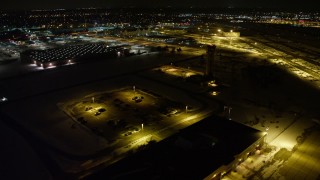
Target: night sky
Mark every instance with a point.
(53, 4)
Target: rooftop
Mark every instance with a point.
(193, 153)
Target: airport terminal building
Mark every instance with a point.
(205, 150)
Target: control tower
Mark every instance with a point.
(210, 58)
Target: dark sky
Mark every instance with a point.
(52, 4)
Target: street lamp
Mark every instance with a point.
(230, 113)
(3, 99)
(266, 134)
(219, 32)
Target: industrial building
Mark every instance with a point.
(205, 150)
